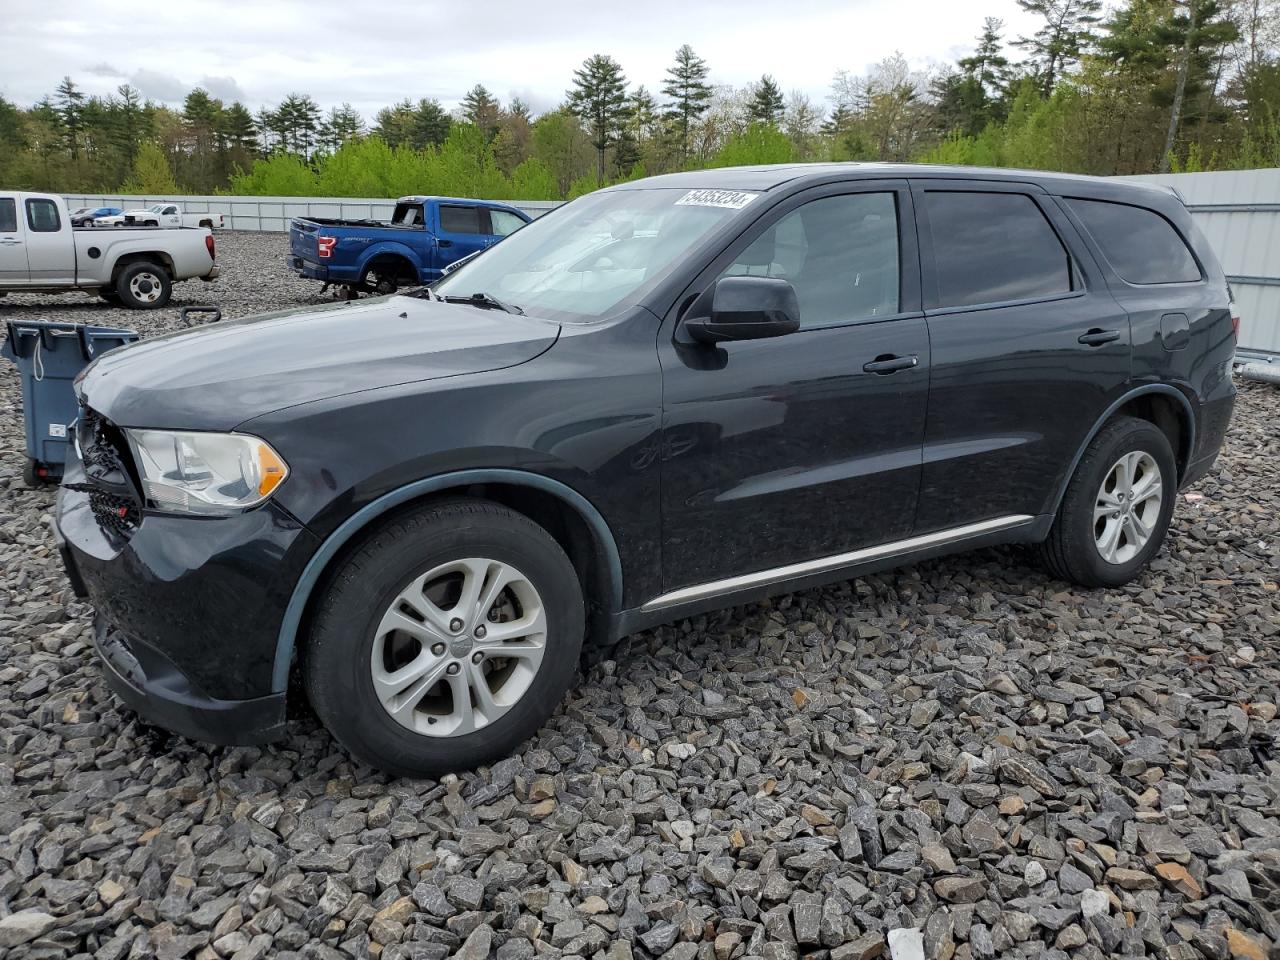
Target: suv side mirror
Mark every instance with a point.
(747, 308)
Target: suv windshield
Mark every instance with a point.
(584, 259)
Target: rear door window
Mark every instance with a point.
(8, 215)
(42, 216)
(458, 219)
(994, 248)
(1140, 244)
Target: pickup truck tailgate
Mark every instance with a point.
(302, 239)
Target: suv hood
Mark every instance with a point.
(216, 377)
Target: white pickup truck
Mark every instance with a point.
(161, 215)
(40, 252)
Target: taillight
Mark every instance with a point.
(325, 245)
(208, 245)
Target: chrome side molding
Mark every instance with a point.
(795, 571)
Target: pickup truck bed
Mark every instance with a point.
(425, 235)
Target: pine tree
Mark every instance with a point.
(430, 125)
(70, 103)
(599, 98)
(239, 128)
(766, 104)
(1055, 47)
(131, 122)
(689, 96)
(988, 65)
(396, 124)
(342, 124)
(481, 109)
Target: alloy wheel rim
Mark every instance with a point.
(146, 287)
(1126, 510)
(459, 646)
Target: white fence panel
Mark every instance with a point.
(272, 214)
(1239, 212)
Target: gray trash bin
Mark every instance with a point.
(48, 356)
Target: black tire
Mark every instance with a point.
(377, 282)
(152, 223)
(151, 278)
(1071, 551)
(336, 658)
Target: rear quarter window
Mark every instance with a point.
(1141, 245)
(8, 215)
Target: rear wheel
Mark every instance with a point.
(1117, 508)
(144, 286)
(446, 639)
(380, 279)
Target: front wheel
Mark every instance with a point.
(1117, 508)
(144, 286)
(446, 639)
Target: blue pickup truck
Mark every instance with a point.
(425, 235)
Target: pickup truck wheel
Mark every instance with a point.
(151, 223)
(1117, 508)
(445, 639)
(144, 286)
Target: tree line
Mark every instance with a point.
(1145, 86)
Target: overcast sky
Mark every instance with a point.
(373, 52)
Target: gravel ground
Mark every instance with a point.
(961, 759)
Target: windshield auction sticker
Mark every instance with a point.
(731, 199)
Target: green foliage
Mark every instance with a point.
(151, 173)
(767, 104)
(599, 98)
(759, 143)
(280, 175)
(688, 97)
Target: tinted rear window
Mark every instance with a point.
(460, 219)
(994, 247)
(1141, 245)
(8, 215)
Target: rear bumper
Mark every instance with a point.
(1215, 420)
(214, 272)
(305, 268)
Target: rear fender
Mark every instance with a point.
(389, 248)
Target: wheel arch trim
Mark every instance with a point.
(1162, 389)
(286, 640)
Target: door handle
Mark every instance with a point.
(444, 243)
(1096, 337)
(10, 242)
(890, 364)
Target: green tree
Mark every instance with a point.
(342, 124)
(481, 109)
(759, 143)
(151, 175)
(1056, 46)
(430, 124)
(767, 104)
(70, 103)
(688, 96)
(988, 65)
(239, 129)
(397, 123)
(599, 98)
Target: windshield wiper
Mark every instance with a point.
(483, 300)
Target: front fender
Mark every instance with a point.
(333, 543)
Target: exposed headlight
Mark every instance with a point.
(205, 472)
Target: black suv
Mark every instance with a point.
(676, 394)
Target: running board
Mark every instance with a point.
(826, 564)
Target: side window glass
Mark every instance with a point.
(455, 219)
(994, 247)
(42, 216)
(8, 215)
(504, 222)
(1141, 245)
(841, 254)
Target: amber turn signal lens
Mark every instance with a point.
(271, 470)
